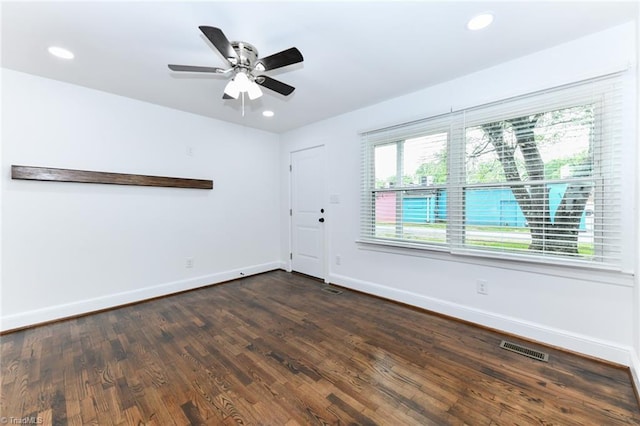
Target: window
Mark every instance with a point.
(532, 178)
(407, 194)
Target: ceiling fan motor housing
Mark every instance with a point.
(247, 54)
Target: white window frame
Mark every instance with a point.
(549, 100)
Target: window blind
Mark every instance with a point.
(405, 178)
(535, 177)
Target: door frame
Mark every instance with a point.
(327, 214)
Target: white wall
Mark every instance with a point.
(636, 358)
(69, 248)
(584, 311)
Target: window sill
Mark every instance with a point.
(506, 261)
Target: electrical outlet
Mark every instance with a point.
(338, 260)
(482, 287)
(188, 263)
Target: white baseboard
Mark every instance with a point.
(635, 372)
(52, 313)
(285, 266)
(575, 342)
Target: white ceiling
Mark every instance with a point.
(356, 53)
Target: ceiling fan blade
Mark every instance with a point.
(225, 96)
(275, 85)
(191, 68)
(220, 41)
(281, 59)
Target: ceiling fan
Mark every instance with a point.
(246, 67)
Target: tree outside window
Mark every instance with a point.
(545, 160)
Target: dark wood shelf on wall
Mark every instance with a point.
(86, 176)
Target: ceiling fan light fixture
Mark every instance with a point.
(232, 89)
(242, 81)
(254, 91)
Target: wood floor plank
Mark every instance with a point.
(274, 349)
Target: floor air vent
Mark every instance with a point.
(331, 290)
(523, 350)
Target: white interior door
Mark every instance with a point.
(307, 211)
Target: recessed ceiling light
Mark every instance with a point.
(267, 113)
(481, 21)
(61, 52)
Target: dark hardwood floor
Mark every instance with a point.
(275, 349)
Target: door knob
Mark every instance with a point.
(321, 220)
